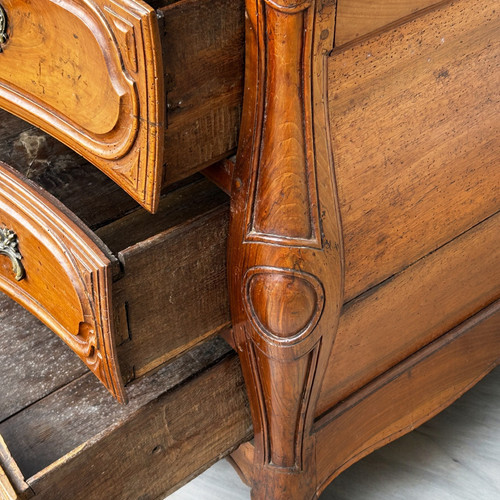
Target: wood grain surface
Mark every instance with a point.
(414, 128)
(356, 18)
(203, 57)
(174, 289)
(179, 420)
(453, 456)
(23, 343)
(422, 386)
(388, 323)
(90, 74)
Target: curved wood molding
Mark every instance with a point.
(285, 248)
(423, 385)
(67, 276)
(90, 73)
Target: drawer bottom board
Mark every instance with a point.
(62, 443)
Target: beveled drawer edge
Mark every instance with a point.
(86, 265)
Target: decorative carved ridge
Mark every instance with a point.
(285, 259)
(81, 262)
(129, 148)
(294, 306)
(292, 219)
(290, 6)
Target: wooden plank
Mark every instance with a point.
(359, 17)
(385, 325)
(82, 410)
(24, 342)
(177, 209)
(414, 128)
(188, 301)
(159, 446)
(422, 386)
(203, 56)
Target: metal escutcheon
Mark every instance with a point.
(9, 248)
(3, 25)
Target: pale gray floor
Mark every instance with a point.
(454, 456)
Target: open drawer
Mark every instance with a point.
(148, 91)
(95, 74)
(63, 436)
(122, 300)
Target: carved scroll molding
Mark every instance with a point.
(285, 248)
(67, 280)
(93, 80)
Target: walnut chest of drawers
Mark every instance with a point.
(361, 286)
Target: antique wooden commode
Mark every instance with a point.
(349, 255)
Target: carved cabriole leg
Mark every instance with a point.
(285, 249)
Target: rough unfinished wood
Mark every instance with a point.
(414, 132)
(178, 421)
(203, 54)
(24, 342)
(401, 315)
(186, 268)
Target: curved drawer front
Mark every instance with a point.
(89, 73)
(56, 271)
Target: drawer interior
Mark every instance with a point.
(199, 74)
(167, 265)
(52, 417)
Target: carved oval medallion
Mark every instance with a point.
(283, 304)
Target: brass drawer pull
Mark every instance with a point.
(9, 247)
(3, 26)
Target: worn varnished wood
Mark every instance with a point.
(392, 321)
(285, 262)
(356, 18)
(422, 386)
(75, 306)
(414, 137)
(90, 74)
(101, 91)
(285, 256)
